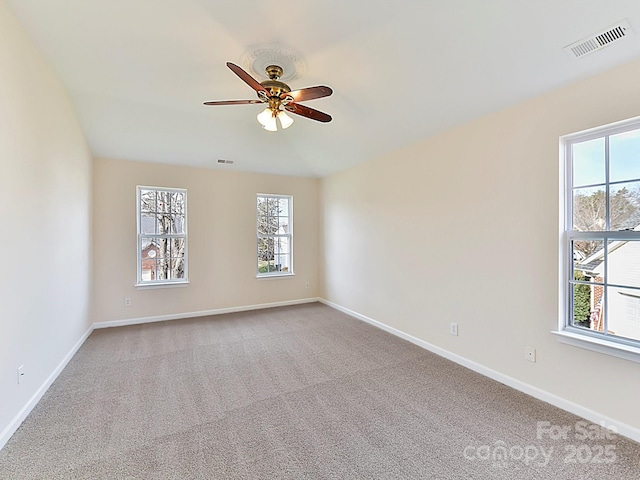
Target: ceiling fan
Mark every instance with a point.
(279, 98)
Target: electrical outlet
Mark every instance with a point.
(453, 329)
(127, 301)
(530, 354)
(306, 285)
(20, 374)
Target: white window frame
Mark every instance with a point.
(140, 236)
(601, 342)
(288, 235)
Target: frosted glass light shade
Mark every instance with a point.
(267, 120)
(271, 125)
(285, 120)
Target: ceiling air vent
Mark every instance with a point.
(598, 41)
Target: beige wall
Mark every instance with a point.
(463, 227)
(45, 181)
(221, 240)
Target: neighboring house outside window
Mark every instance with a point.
(162, 235)
(274, 219)
(623, 315)
(601, 241)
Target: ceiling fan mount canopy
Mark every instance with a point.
(274, 72)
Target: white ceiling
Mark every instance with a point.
(138, 71)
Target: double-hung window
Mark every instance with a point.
(274, 219)
(162, 235)
(601, 239)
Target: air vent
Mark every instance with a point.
(226, 162)
(598, 41)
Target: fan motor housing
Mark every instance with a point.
(275, 87)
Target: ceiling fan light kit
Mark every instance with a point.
(267, 118)
(279, 98)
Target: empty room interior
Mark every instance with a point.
(320, 240)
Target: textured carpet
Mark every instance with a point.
(294, 392)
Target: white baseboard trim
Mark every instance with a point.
(203, 313)
(10, 429)
(621, 428)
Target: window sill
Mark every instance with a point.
(626, 352)
(274, 275)
(161, 285)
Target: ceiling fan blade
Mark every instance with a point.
(248, 79)
(233, 102)
(309, 93)
(308, 112)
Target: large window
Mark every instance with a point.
(162, 235)
(602, 236)
(275, 235)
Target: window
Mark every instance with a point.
(162, 235)
(602, 236)
(275, 235)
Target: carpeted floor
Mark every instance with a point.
(293, 392)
